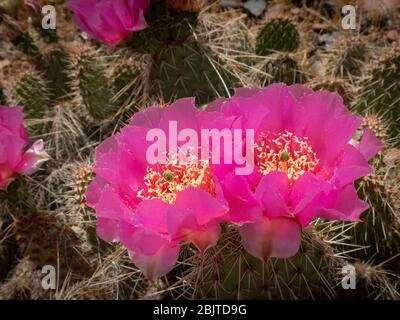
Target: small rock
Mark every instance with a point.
(393, 35)
(254, 7)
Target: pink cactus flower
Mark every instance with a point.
(305, 165)
(152, 207)
(13, 141)
(109, 21)
(34, 4)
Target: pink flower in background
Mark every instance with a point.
(152, 208)
(13, 141)
(305, 165)
(109, 21)
(34, 4)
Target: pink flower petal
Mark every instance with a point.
(205, 239)
(243, 205)
(369, 145)
(33, 158)
(152, 215)
(203, 206)
(13, 142)
(148, 118)
(109, 21)
(158, 264)
(299, 91)
(246, 92)
(110, 205)
(350, 166)
(344, 205)
(108, 229)
(308, 194)
(273, 192)
(271, 238)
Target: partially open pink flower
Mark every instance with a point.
(34, 4)
(151, 207)
(304, 165)
(13, 143)
(109, 21)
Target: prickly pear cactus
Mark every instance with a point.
(283, 68)
(93, 86)
(186, 70)
(380, 93)
(228, 272)
(168, 27)
(350, 59)
(24, 283)
(55, 66)
(46, 243)
(379, 232)
(277, 35)
(180, 65)
(30, 92)
(76, 92)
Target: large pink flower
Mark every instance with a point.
(13, 141)
(152, 207)
(109, 21)
(305, 165)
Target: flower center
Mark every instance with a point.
(285, 152)
(165, 180)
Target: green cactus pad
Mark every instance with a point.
(48, 35)
(284, 69)
(185, 71)
(351, 61)
(26, 44)
(2, 97)
(31, 94)
(277, 35)
(55, 66)
(167, 27)
(227, 271)
(123, 77)
(94, 88)
(380, 94)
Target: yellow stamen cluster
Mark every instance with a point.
(164, 181)
(285, 152)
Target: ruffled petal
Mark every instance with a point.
(299, 91)
(243, 206)
(152, 215)
(273, 192)
(195, 217)
(110, 205)
(369, 145)
(308, 194)
(203, 206)
(271, 238)
(33, 158)
(206, 238)
(350, 166)
(157, 265)
(344, 205)
(148, 118)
